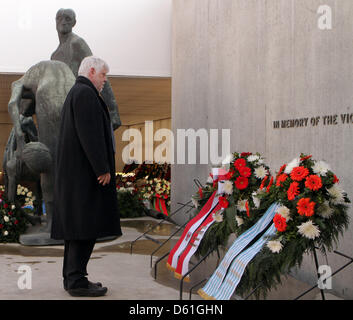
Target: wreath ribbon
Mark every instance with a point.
(190, 228)
(221, 282)
(184, 259)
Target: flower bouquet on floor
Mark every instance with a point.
(157, 193)
(246, 179)
(13, 223)
(312, 213)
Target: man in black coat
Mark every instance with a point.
(85, 196)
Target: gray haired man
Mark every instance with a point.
(85, 199)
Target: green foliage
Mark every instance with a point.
(129, 204)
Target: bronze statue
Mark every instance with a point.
(48, 82)
(72, 50)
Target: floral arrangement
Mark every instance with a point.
(157, 192)
(312, 213)
(149, 170)
(12, 220)
(240, 197)
(129, 201)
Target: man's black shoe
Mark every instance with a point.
(89, 284)
(91, 291)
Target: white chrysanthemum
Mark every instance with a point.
(284, 212)
(6, 219)
(321, 168)
(131, 189)
(241, 205)
(260, 172)
(291, 165)
(325, 210)
(309, 230)
(195, 202)
(336, 193)
(253, 157)
(256, 200)
(209, 180)
(228, 187)
(275, 246)
(218, 217)
(227, 160)
(6, 233)
(239, 220)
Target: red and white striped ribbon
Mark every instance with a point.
(184, 259)
(189, 230)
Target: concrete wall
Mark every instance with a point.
(243, 64)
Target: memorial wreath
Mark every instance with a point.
(302, 209)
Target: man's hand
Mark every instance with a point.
(104, 179)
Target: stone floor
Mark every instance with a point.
(127, 276)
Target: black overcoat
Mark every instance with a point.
(83, 208)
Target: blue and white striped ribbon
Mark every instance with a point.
(216, 280)
(238, 266)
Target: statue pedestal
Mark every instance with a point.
(38, 236)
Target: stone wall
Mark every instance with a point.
(244, 64)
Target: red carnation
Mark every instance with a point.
(241, 183)
(223, 202)
(245, 172)
(313, 182)
(305, 207)
(280, 179)
(280, 222)
(299, 173)
(1, 226)
(16, 222)
(5, 205)
(239, 163)
(245, 154)
(293, 190)
(335, 179)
